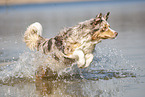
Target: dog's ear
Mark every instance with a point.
(99, 15)
(97, 20)
(106, 16)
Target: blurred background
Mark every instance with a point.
(17, 15)
(12, 2)
(127, 17)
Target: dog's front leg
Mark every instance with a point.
(80, 56)
(89, 59)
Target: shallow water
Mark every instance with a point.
(118, 68)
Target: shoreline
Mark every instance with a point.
(21, 2)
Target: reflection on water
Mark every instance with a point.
(111, 73)
(62, 88)
(66, 88)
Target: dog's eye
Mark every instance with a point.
(104, 28)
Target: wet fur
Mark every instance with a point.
(71, 45)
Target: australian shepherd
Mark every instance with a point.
(73, 45)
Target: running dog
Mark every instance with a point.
(72, 45)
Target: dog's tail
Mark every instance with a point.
(32, 36)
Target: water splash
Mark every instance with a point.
(23, 68)
(27, 65)
(109, 63)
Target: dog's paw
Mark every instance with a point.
(89, 59)
(81, 63)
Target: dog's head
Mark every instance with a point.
(101, 28)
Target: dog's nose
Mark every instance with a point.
(116, 33)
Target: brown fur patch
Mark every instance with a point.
(59, 43)
(49, 44)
